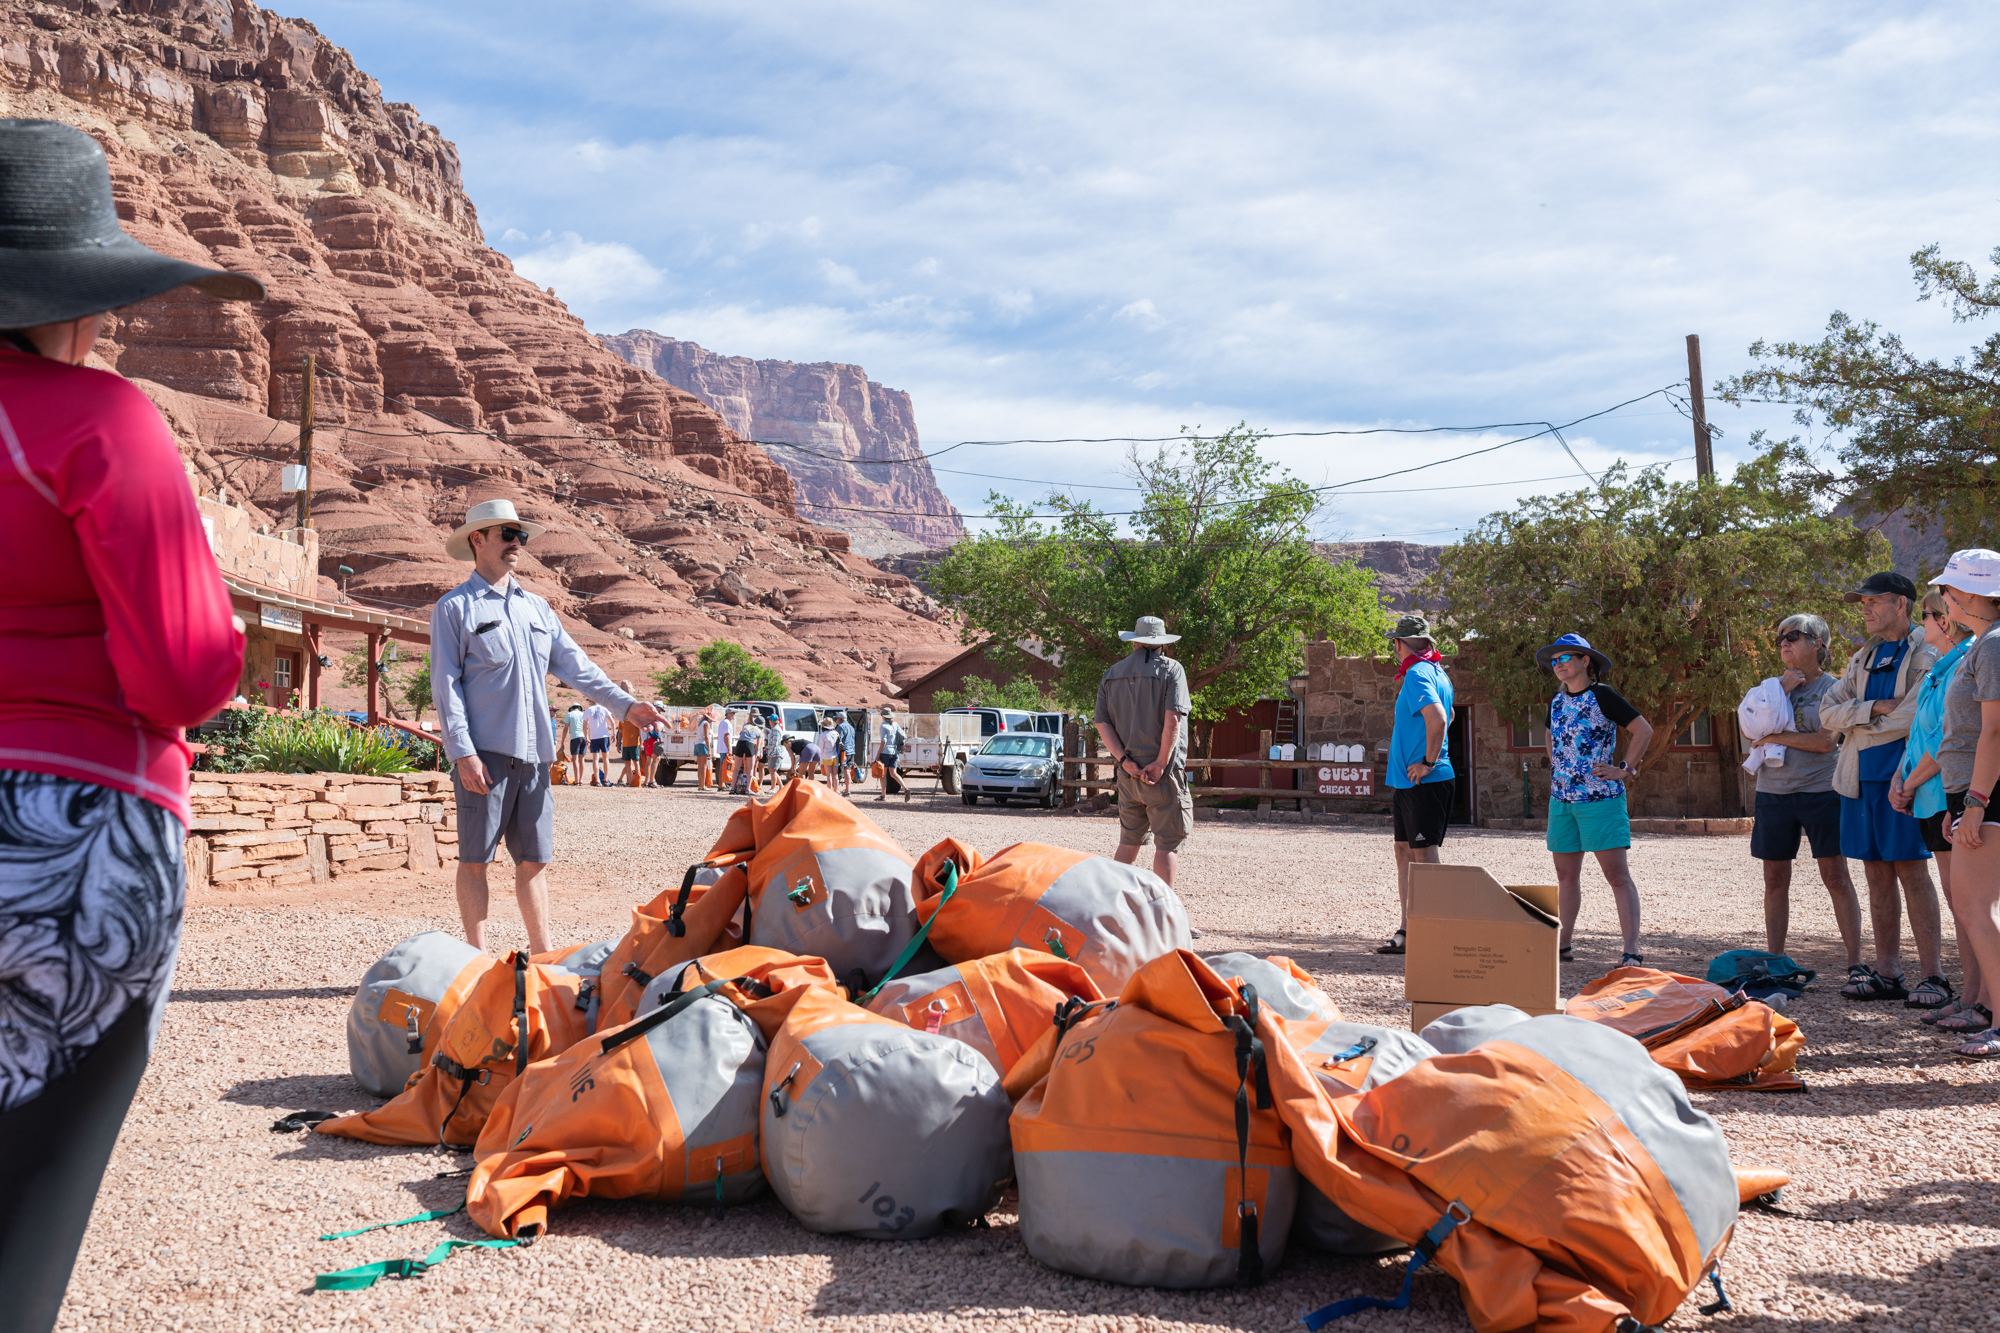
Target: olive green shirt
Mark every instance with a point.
(1135, 697)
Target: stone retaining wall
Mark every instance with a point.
(302, 828)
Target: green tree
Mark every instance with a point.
(1681, 584)
(1220, 547)
(1904, 431)
(722, 672)
(391, 677)
(417, 689)
(1020, 692)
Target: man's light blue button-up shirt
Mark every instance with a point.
(492, 651)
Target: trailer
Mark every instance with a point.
(938, 744)
(676, 747)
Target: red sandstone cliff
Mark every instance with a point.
(860, 467)
(246, 140)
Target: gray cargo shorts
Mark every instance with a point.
(520, 806)
(1162, 810)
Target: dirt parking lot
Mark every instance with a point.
(207, 1220)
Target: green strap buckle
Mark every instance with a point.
(802, 893)
(367, 1275)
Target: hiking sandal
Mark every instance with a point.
(1566, 954)
(1933, 992)
(1984, 1048)
(1631, 960)
(1972, 1018)
(1865, 984)
(1396, 942)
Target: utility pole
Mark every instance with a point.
(306, 444)
(1705, 461)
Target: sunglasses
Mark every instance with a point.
(1794, 636)
(1560, 658)
(510, 533)
(1937, 615)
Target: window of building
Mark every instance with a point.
(281, 672)
(1698, 734)
(1529, 736)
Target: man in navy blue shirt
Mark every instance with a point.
(1872, 708)
(1420, 777)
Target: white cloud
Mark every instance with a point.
(589, 273)
(1459, 215)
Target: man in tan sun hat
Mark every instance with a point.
(1142, 708)
(493, 646)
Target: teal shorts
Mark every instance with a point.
(1589, 826)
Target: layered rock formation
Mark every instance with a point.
(1399, 566)
(857, 464)
(248, 141)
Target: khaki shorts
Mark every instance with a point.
(1162, 810)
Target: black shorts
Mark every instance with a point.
(576, 745)
(1933, 826)
(1783, 816)
(741, 750)
(1423, 812)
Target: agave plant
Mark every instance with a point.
(326, 742)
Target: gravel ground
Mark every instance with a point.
(207, 1220)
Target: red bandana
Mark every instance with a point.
(1427, 655)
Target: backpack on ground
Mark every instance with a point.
(824, 881)
(874, 1129)
(1109, 918)
(698, 917)
(1149, 1150)
(663, 1108)
(1555, 1171)
(1283, 986)
(516, 1013)
(1713, 1038)
(1000, 1006)
(397, 1010)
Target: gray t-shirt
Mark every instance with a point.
(1803, 770)
(1136, 695)
(1978, 680)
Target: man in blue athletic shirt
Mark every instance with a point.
(1872, 708)
(1420, 777)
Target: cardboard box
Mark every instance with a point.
(1423, 1015)
(1474, 940)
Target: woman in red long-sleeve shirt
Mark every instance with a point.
(115, 633)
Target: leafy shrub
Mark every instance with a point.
(326, 742)
(232, 740)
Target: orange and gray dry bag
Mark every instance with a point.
(1109, 918)
(517, 1012)
(1555, 1171)
(1713, 1038)
(824, 881)
(677, 926)
(999, 1006)
(398, 1008)
(1149, 1152)
(875, 1129)
(665, 1108)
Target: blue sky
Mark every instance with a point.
(1051, 220)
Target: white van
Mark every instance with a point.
(993, 721)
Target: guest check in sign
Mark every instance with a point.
(1349, 774)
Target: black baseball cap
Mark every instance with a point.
(1889, 581)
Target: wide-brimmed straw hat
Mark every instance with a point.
(488, 514)
(62, 253)
(1149, 630)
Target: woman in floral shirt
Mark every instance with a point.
(1587, 811)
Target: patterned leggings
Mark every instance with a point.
(91, 890)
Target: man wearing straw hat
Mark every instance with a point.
(493, 646)
(1142, 706)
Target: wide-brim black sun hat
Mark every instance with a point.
(62, 253)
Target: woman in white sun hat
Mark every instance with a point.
(1969, 759)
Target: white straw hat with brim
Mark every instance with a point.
(489, 514)
(1149, 630)
(1975, 570)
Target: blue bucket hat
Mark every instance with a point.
(1571, 643)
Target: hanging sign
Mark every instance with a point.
(279, 617)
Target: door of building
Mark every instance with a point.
(285, 677)
(1458, 737)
